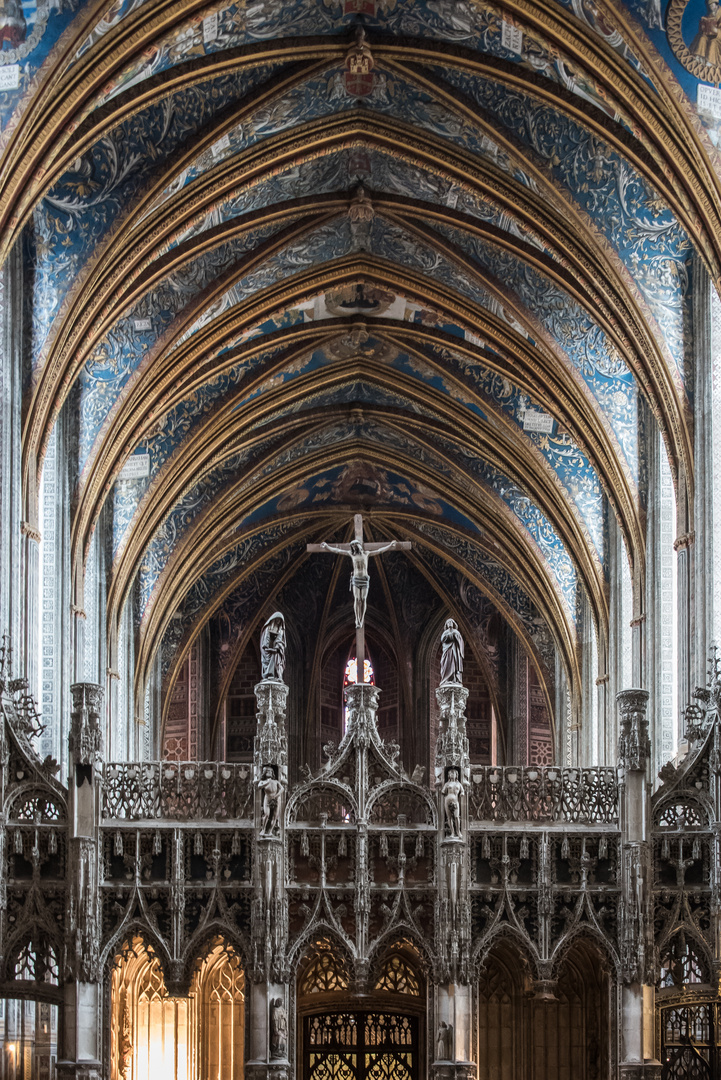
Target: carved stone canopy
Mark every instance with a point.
(86, 740)
(633, 743)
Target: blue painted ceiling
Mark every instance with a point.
(271, 278)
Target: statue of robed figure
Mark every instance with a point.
(452, 655)
(272, 647)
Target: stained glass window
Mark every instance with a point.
(351, 672)
(351, 676)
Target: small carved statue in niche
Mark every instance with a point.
(444, 1041)
(419, 774)
(125, 1045)
(272, 790)
(278, 1029)
(452, 655)
(272, 647)
(452, 791)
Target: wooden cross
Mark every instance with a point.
(359, 581)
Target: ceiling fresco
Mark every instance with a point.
(289, 261)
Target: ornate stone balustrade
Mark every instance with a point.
(517, 793)
(176, 791)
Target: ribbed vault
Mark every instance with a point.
(451, 293)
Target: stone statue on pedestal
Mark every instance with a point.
(272, 647)
(278, 1029)
(452, 655)
(443, 1041)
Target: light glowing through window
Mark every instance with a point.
(351, 672)
(351, 676)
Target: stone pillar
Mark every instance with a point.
(269, 1012)
(684, 571)
(78, 638)
(31, 616)
(638, 1060)
(453, 1043)
(81, 1034)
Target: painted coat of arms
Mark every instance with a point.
(694, 34)
(359, 67)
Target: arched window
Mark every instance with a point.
(351, 672)
(38, 962)
(219, 987)
(682, 964)
(398, 977)
(323, 975)
(154, 1034)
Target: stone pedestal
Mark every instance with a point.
(271, 744)
(268, 1047)
(81, 1032)
(362, 702)
(453, 1070)
(71, 1070)
(452, 744)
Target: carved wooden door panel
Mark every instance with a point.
(689, 1036)
(360, 1046)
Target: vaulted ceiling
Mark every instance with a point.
(438, 271)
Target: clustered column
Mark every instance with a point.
(452, 1050)
(269, 989)
(638, 1060)
(80, 1051)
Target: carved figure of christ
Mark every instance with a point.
(359, 553)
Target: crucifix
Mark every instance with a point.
(359, 580)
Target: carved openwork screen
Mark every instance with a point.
(690, 1037)
(682, 963)
(341, 1041)
(323, 975)
(398, 977)
(360, 1046)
